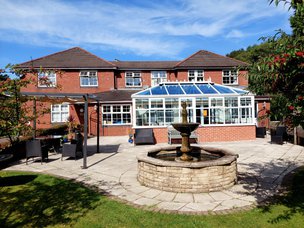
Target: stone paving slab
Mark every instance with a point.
(261, 167)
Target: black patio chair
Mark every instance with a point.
(34, 149)
(260, 132)
(144, 136)
(279, 135)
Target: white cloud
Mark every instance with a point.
(146, 29)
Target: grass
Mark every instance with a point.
(35, 200)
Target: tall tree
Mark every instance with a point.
(281, 72)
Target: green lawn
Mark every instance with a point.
(35, 200)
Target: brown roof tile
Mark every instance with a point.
(122, 96)
(205, 59)
(74, 58)
(144, 65)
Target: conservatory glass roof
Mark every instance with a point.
(190, 88)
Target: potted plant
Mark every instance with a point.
(71, 125)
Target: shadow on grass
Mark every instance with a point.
(291, 196)
(39, 201)
(16, 180)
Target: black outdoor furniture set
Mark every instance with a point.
(34, 149)
(144, 136)
(279, 135)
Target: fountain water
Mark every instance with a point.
(186, 168)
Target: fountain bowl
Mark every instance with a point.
(215, 174)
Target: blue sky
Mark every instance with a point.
(134, 29)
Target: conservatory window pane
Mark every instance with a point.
(142, 104)
(171, 103)
(174, 89)
(156, 103)
(231, 115)
(159, 90)
(142, 117)
(157, 117)
(222, 89)
(217, 102)
(216, 116)
(190, 89)
(231, 101)
(172, 116)
(206, 89)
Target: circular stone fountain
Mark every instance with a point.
(185, 168)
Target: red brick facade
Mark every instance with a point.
(68, 81)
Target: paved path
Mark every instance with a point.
(261, 167)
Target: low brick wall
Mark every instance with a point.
(192, 177)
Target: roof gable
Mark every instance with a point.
(206, 59)
(74, 58)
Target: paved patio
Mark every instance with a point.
(261, 168)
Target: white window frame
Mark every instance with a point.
(195, 75)
(133, 75)
(158, 77)
(51, 77)
(113, 112)
(88, 74)
(60, 112)
(232, 79)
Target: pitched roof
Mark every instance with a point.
(144, 65)
(119, 96)
(206, 59)
(74, 58)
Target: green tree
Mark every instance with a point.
(15, 113)
(281, 72)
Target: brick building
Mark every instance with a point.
(114, 82)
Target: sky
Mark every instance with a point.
(134, 29)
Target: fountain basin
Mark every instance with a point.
(193, 177)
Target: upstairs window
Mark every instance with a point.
(133, 79)
(46, 79)
(196, 75)
(230, 77)
(88, 78)
(158, 77)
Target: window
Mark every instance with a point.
(217, 114)
(230, 77)
(133, 79)
(231, 110)
(196, 75)
(116, 114)
(157, 112)
(59, 113)
(46, 79)
(158, 77)
(88, 78)
(246, 110)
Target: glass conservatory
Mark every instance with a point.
(207, 103)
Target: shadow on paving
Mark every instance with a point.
(266, 191)
(37, 201)
(291, 196)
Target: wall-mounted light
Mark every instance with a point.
(264, 105)
(81, 110)
(95, 107)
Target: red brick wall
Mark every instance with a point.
(262, 121)
(69, 82)
(216, 76)
(213, 133)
